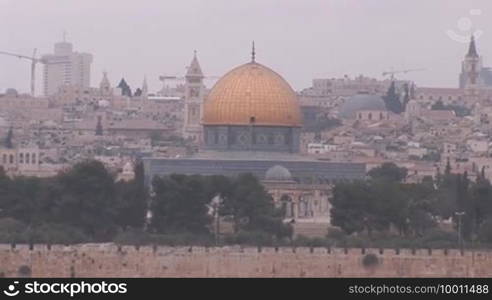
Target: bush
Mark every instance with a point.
(55, 234)
(11, 230)
(303, 241)
(485, 233)
(251, 238)
(137, 237)
(336, 233)
(438, 238)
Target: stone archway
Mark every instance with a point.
(287, 205)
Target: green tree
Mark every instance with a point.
(252, 208)
(132, 200)
(352, 207)
(180, 204)
(485, 233)
(392, 100)
(87, 199)
(407, 96)
(388, 172)
(9, 144)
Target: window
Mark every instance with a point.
(21, 158)
(33, 158)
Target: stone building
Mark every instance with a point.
(66, 67)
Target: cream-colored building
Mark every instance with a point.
(66, 67)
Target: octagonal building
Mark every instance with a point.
(252, 108)
(251, 123)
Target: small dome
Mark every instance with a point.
(278, 173)
(361, 102)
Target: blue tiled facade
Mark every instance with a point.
(256, 138)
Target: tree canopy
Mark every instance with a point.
(385, 203)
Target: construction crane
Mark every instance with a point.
(181, 78)
(165, 78)
(392, 73)
(33, 60)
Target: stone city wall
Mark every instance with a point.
(110, 260)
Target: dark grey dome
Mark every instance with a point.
(278, 173)
(361, 102)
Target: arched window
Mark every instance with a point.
(287, 206)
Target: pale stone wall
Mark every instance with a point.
(109, 260)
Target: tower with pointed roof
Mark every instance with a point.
(193, 101)
(145, 89)
(104, 86)
(471, 68)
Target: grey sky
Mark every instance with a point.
(299, 39)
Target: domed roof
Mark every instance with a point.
(252, 93)
(278, 173)
(361, 102)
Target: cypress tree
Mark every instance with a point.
(392, 100)
(9, 139)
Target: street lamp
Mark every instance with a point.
(215, 203)
(460, 214)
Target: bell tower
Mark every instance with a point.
(471, 68)
(193, 107)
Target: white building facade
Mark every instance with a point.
(66, 67)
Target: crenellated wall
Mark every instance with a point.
(110, 260)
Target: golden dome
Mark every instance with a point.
(252, 93)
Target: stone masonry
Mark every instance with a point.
(110, 260)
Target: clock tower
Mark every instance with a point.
(193, 102)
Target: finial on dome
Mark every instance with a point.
(253, 53)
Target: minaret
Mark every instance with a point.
(194, 95)
(253, 53)
(99, 128)
(471, 67)
(105, 86)
(145, 89)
